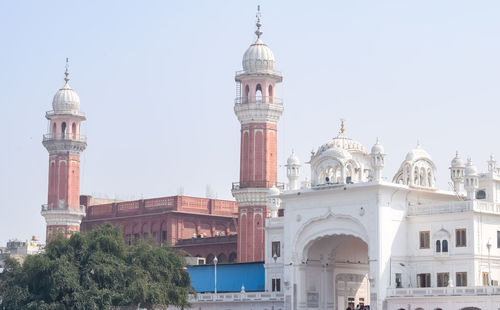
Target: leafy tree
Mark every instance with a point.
(96, 270)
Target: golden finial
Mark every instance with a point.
(342, 129)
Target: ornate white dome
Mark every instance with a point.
(470, 168)
(339, 161)
(258, 58)
(417, 153)
(293, 160)
(66, 100)
(377, 148)
(457, 162)
(417, 170)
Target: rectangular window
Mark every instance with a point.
(275, 249)
(425, 239)
(461, 279)
(442, 279)
(424, 280)
(498, 239)
(276, 285)
(461, 239)
(486, 278)
(163, 236)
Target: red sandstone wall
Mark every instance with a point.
(258, 155)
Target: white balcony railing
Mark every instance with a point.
(67, 136)
(455, 207)
(258, 100)
(444, 291)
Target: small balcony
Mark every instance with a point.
(66, 110)
(62, 206)
(67, 136)
(257, 184)
(258, 100)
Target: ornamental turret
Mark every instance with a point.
(457, 171)
(293, 171)
(258, 111)
(471, 182)
(377, 156)
(64, 143)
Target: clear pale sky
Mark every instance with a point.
(156, 80)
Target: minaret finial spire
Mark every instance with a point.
(342, 129)
(258, 32)
(66, 73)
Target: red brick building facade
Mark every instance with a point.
(202, 227)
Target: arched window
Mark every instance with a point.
(246, 99)
(258, 93)
(54, 128)
(270, 94)
(438, 246)
(63, 130)
(73, 130)
(222, 258)
(210, 259)
(232, 257)
(445, 246)
(423, 179)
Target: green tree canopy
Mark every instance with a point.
(96, 270)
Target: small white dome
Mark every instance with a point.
(470, 168)
(273, 191)
(377, 148)
(417, 153)
(258, 58)
(293, 160)
(457, 162)
(66, 100)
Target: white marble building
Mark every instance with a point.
(352, 237)
(342, 235)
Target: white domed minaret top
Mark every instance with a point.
(293, 171)
(377, 160)
(471, 179)
(66, 100)
(457, 170)
(258, 57)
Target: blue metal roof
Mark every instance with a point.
(230, 277)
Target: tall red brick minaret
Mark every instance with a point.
(258, 111)
(64, 143)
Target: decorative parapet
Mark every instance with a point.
(241, 297)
